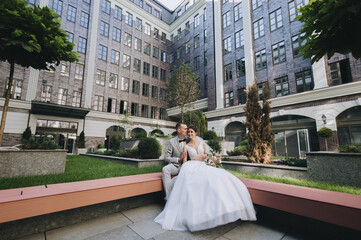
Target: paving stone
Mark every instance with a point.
(299, 236)
(143, 213)
(178, 235)
(40, 236)
(250, 231)
(147, 228)
(216, 232)
(123, 233)
(222, 238)
(89, 228)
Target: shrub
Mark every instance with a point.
(295, 162)
(215, 144)
(210, 135)
(325, 132)
(140, 135)
(149, 148)
(351, 148)
(81, 141)
(109, 152)
(101, 145)
(48, 144)
(26, 134)
(31, 143)
(240, 150)
(129, 153)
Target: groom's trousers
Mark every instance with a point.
(168, 182)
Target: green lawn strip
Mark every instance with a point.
(304, 183)
(79, 168)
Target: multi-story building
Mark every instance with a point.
(129, 48)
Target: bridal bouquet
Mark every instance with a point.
(214, 160)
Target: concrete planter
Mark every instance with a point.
(82, 151)
(101, 149)
(131, 161)
(31, 162)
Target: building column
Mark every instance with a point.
(218, 52)
(248, 41)
(320, 73)
(92, 56)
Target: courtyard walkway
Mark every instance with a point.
(138, 224)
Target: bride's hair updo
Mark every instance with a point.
(193, 127)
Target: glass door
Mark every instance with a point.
(303, 142)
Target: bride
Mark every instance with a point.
(204, 197)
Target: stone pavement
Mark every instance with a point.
(138, 224)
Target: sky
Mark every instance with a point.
(171, 4)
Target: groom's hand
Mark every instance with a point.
(180, 159)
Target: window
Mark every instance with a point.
(179, 33)
(179, 52)
(229, 100)
(156, 33)
(237, 12)
(227, 45)
(241, 67)
(126, 61)
(155, 52)
(260, 87)
(163, 75)
(196, 20)
(136, 86)
(124, 84)
(205, 35)
(204, 14)
(100, 77)
(79, 71)
(154, 92)
(188, 47)
(293, 6)
(242, 96)
(162, 94)
(71, 16)
(123, 108)
(113, 80)
(161, 113)
(104, 29)
(138, 24)
(116, 34)
(275, 19)
(164, 37)
(256, 4)
(261, 59)
(58, 6)
(163, 56)
(62, 95)
(148, 8)
(112, 105)
(187, 28)
(171, 57)
(224, 1)
(226, 19)
(297, 42)
(70, 37)
(304, 81)
(258, 28)
(172, 38)
(281, 85)
(136, 65)
(205, 82)
(102, 52)
(76, 99)
(179, 13)
(129, 19)
(228, 72)
(65, 69)
(155, 71)
(147, 29)
(128, 40)
(134, 111)
(205, 59)
(145, 111)
(197, 62)
(145, 90)
(147, 48)
(239, 38)
(139, 3)
(105, 6)
(15, 92)
(45, 93)
(153, 112)
(279, 52)
(84, 19)
(98, 103)
(156, 13)
(188, 5)
(146, 68)
(138, 44)
(118, 13)
(115, 57)
(196, 41)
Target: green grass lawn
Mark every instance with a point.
(79, 168)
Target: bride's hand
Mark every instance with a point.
(201, 157)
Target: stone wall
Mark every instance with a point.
(11, 139)
(338, 168)
(31, 162)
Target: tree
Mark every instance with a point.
(30, 37)
(196, 118)
(183, 88)
(81, 140)
(331, 26)
(258, 125)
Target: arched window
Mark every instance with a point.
(235, 132)
(349, 126)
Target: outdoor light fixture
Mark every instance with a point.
(323, 118)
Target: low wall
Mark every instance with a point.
(339, 168)
(130, 161)
(31, 162)
(267, 170)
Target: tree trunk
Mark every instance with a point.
(182, 114)
(7, 99)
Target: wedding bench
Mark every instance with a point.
(333, 207)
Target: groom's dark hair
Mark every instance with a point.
(178, 125)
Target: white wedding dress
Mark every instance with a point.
(204, 197)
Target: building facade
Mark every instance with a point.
(129, 48)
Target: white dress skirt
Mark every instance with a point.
(204, 197)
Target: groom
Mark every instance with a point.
(174, 157)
